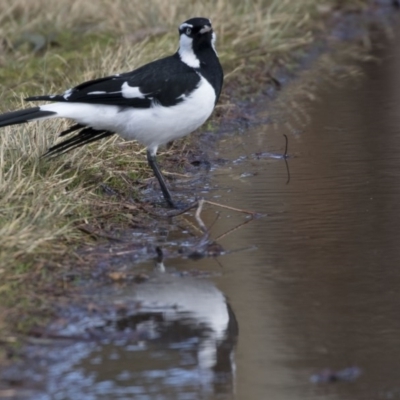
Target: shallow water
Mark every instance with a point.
(322, 290)
(319, 290)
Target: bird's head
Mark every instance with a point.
(196, 34)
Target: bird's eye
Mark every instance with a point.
(188, 31)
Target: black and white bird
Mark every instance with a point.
(154, 104)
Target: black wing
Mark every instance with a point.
(165, 81)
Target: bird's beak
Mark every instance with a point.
(205, 29)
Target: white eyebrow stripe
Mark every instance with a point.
(185, 25)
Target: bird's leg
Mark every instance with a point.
(151, 159)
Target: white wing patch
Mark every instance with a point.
(130, 92)
(67, 93)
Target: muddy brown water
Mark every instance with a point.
(319, 291)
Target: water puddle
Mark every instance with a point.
(310, 310)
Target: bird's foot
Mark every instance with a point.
(182, 205)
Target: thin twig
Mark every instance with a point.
(233, 229)
(248, 248)
(215, 221)
(231, 208)
(95, 235)
(219, 264)
(286, 146)
(198, 218)
(285, 157)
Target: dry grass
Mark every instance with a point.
(42, 200)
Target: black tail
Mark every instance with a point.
(85, 136)
(21, 116)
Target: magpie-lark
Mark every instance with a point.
(154, 104)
